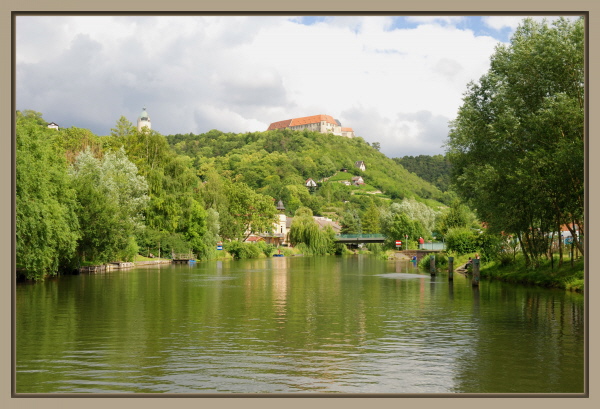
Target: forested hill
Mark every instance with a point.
(270, 161)
(434, 169)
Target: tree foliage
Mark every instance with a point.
(517, 144)
(46, 224)
(434, 169)
(306, 230)
(112, 198)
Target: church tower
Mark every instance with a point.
(143, 120)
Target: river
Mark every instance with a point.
(352, 324)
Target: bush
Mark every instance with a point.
(461, 240)
(239, 250)
(490, 247)
(440, 261)
(265, 248)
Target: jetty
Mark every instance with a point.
(183, 258)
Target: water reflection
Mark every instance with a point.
(323, 324)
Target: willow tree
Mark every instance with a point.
(306, 230)
(517, 145)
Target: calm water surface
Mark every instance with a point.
(291, 325)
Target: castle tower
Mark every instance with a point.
(143, 120)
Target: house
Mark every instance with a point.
(361, 165)
(318, 123)
(325, 221)
(358, 180)
(310, 183)
(280, 229)
(321, 221)
(53, 125)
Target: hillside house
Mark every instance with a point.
(316, 123)
(310, 183)
(361, 165)
(357, 181)
(53, 125)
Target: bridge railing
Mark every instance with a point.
(183, 256)
(360, 236)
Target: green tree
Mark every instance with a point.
(458, 215)
(305, 230)
(46, 225)
(398, 226)
(370, 220)
(248, 212)
(516, 146)
(418, 211)
(123, 128)
(112, 198)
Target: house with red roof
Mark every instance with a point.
(316, 123)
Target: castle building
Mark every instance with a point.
(143, 120)
(317, 123)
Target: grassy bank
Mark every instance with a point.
(565, 277)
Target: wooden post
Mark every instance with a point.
(476, 272)
(450, 268)
(432, 264)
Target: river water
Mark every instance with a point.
(293, 325)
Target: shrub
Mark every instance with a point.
(267, 249)
(440, 261)
(240, 250)
(461, 240)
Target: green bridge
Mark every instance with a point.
(359, 238)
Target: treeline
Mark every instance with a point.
(434, 169)
(83, 199)
(270, 161)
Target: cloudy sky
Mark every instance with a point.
(394, 80)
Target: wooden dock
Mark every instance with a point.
(183, 258)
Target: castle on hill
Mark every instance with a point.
(317, 123)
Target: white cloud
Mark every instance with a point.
(238, 74)
(436, 19)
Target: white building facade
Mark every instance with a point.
(316, 123)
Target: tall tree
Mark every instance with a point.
(305, 229)
(112, 198)
(517, 144)
(47, 228)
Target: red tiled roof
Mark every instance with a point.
(280, 124)
(347, 130)
(302, 121)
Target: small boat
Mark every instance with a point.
(277, 255)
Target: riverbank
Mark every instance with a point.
(120, 265)
(566, 277)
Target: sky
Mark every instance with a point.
(396, 80)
